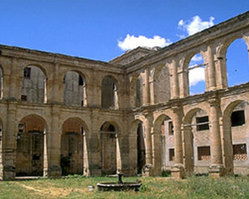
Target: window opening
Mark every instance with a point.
(238, 118)
(203, 153)
(202, 123)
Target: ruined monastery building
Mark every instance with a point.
(62, 115)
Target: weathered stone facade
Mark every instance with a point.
(65, 115)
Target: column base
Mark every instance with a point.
(8, 173)
(53, 171)
(216, 171)
(178, 171)
(147, 170)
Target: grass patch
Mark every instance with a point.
(158, 187)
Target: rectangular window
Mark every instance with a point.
(171, 128)
(239, 152)
(171, 154)
(238, 118)
(203, 153)
(27, 72)
(24, 97)
(202, 123)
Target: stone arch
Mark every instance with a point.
(136, 92)
(163, 129)
(194, 63)
(110, 152)
(34, 80)
(196, 145)
(109, 92)
(31, 146)
(74, 147)
(161, 83)
(221, 54)
(235, 117)
(74, 88)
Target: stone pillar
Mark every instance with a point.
(178, 169)
(146, 88)
(148, 145)
(55, 87)
(15, 81)
(216, 168)
(157, 153)
(175, 81)
(53, 145)
(151, 86)
(188, 152)
(9, 143)
(211, 69)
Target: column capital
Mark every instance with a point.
(214, 102)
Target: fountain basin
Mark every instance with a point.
(112, 186)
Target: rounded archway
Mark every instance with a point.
(74, 158)
(74, 89)
(30, 146)
(196, 70)
(196, 141)
(109, 92)
(235, 126)
(33, 85)
(162, 144)
(108, 135)
(161, 85)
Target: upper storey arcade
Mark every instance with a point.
(36, 77)
(140, 77)
(165, 74)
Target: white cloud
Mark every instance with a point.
(196, 75)
(131, 42)
(195, 25)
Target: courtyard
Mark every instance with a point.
(76, 186)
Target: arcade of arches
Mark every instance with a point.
(137, 113)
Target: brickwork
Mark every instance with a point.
(72, 115)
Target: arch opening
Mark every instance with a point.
(163, 145)
(74, 158)
(161, 85)
(197, 142)
(139, 92)
(109, 93)
(33, 85)
(196, 75)
(235, 127)
(30, 146)
(74, 89)
(108, 135)
(237, 63)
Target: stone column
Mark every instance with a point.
(211, 69)
(15, 81)
(188, 152)
(9, 143)
(55, 87)
(178, 169)
(146, 88)
(216, 168)
(151, 86)
(148, 145)
(157, 152)
(175, 81)
(53, 145)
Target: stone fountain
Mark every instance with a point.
(119, 186)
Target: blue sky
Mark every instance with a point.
(92, 28)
